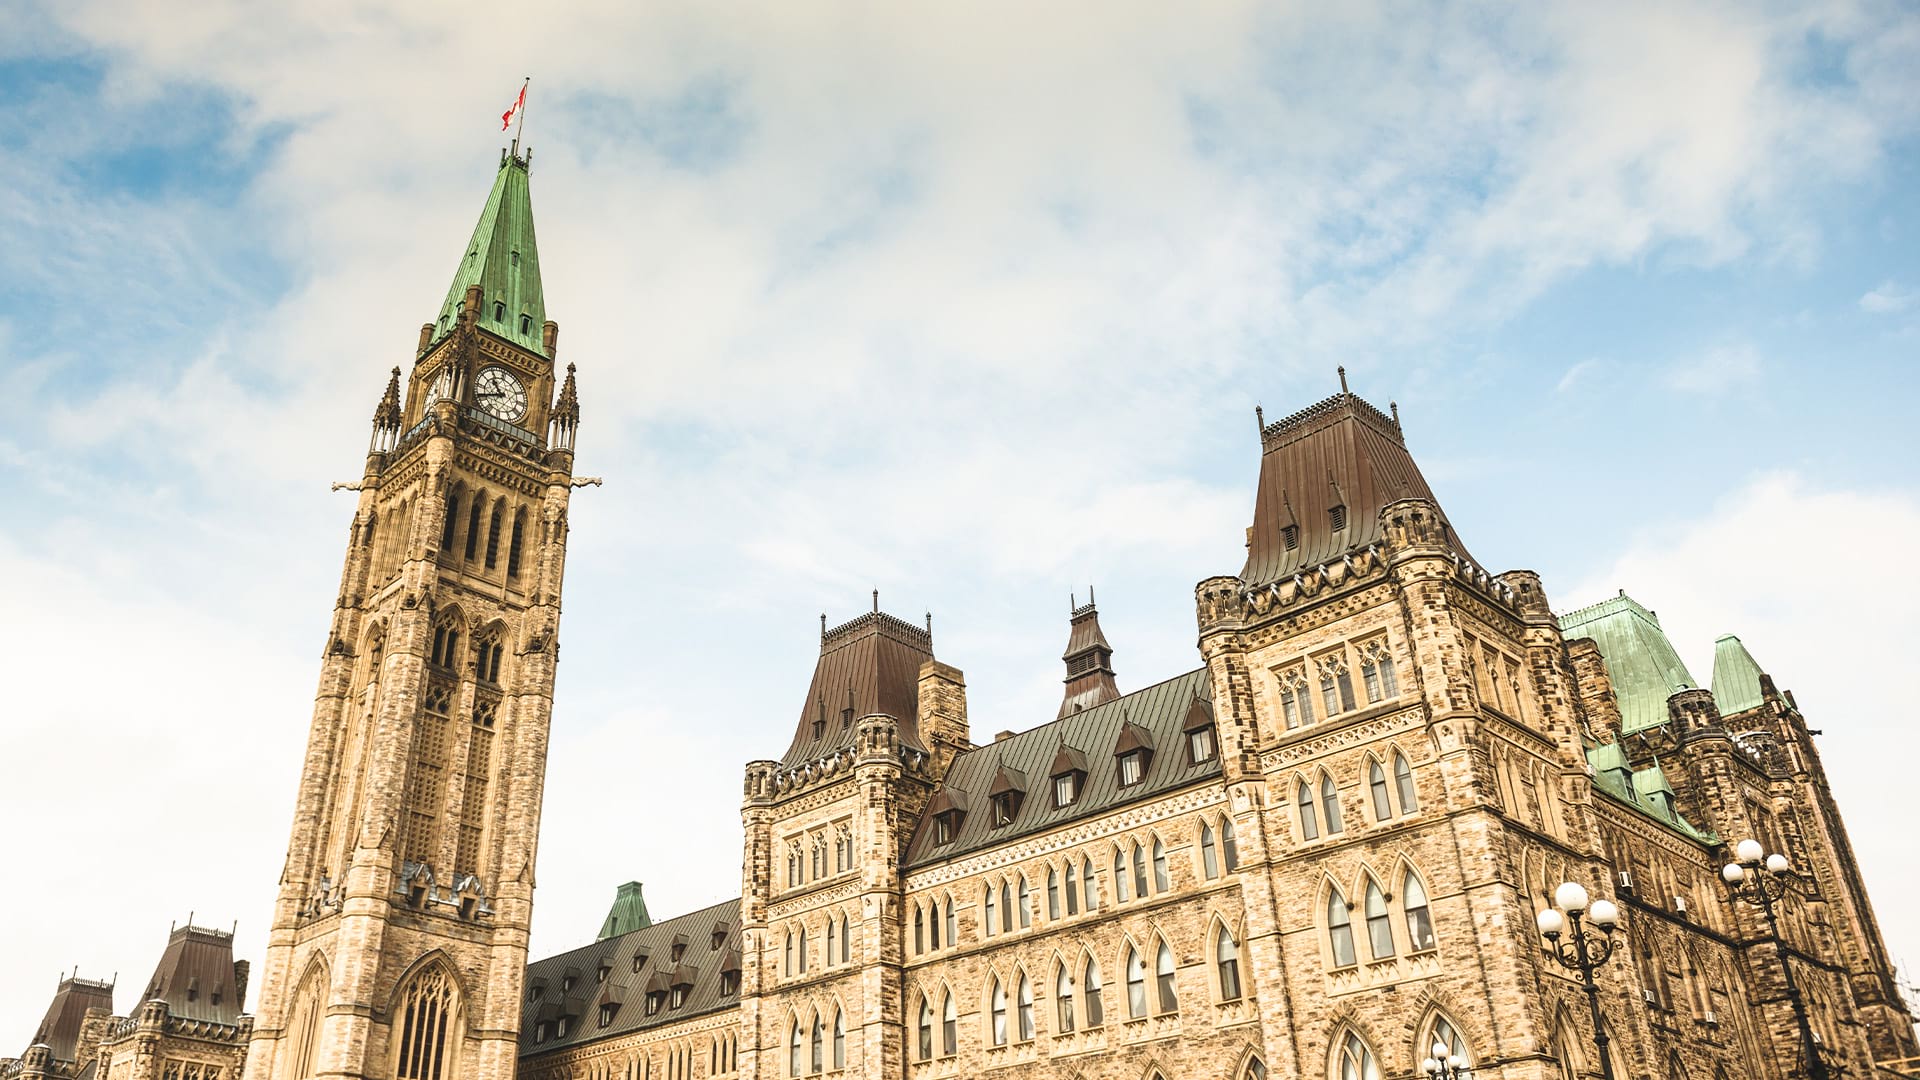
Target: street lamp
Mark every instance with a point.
(1583, 952)
(1446, 1065)
(1746, 882)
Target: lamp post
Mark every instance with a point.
(1446, 1065)
(1746, 882)
(1582, 951)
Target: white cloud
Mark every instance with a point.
(1764, 563)
(1886, 299)
(1716, 371)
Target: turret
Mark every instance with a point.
(1089, 661)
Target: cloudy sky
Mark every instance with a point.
(972, 307)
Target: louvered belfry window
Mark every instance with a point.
(427, 1013)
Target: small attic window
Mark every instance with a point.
(526, 323)
(514, 258)
(1290, 536)
(499, 311)
(729, 982)
(1133, 767)
(679, 950)
(639, 961)
(606, 1013)
(566, 984)
(819, 728)
(1337, 518)
(1005, 806)
(1066, 789)
(605, 970)
(946, 826)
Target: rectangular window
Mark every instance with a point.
(1063, 790)
(1200, 744)
(1130, 773)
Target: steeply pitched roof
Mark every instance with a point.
(700, 968)
(1641, 662)
(869, 665)
(629, 912)
(1736, 677)
(60, 1029)
(1647, 790)
(1089, 662)
(504, 261)
(1341, 452)
(197, 977)
(1157, 712)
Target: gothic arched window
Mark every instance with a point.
(926, 1030)
(1377, 784)
(1330, 805)
(1379, 922)
(1226, 957)
(1413, 897)
(1053, 893)
(839, 1040)
(1403, 776)
(1309, 821)
(1229, 848)
(950, 1027)
(1163, 980)
(1062, 1000)
(1090, 991)
(1161, 882)
(1023, 1004)
(429, 1012)
(1354, 1060)
(1442, 1031)
(997, 1013)
(1340, 929)
(1136, 970)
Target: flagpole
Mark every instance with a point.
(521, 122)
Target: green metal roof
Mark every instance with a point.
(504, 261)
(629, 913)
(1736, 677)
(1647, 790)
(1640, 660)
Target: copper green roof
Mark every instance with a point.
(504, 261)
(629, 913)
(1640, 660)
(1647, 790)
(1736, 677)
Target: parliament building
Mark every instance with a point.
(1317, 852)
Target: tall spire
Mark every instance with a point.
(504, 261)
(1089, 661)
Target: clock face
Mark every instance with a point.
(501, 394)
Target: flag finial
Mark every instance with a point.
(516, 115)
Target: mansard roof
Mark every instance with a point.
(60, 1029)
(869, 665)
(1641, 663)
(1156, 712)
(197, 976)
(1340, 452)
(504, 261)
(699, 970)
(1736, 677)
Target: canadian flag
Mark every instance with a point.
(520, 102)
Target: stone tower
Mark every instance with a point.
(399, 938)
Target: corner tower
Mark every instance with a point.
(399, 937)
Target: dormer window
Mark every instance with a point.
(655, 999)
(606, 1013)
(948, 809)
(1290, 536)
(946, 827)
(679, 949)
(601, 975)
(1004, 797)
(679, 996)
(1200, 732)
(819, 729)
(538, 987)
(566, 984)
(639, 961)
(1133, 753)
(729, 983)
(499, 311)
(513, 258)
(526, 324)
(1069, 775)
(1337, 518)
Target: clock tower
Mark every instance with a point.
(399, 937)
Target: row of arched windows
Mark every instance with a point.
(1317, 802)
(489, 525)
(818, 1045)
(795, 952)
(1384, 942)
(1325, 682)
(1079, 996)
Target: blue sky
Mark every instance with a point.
(972, 307)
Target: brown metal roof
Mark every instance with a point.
(1341, 452)
(869, 665)
(197, 976)
(60, 1029)
(1089, 662)
(699, 971)
(1157, 711)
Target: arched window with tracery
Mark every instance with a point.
(1353, 1059)
(429, 1018)
(1441, 1031)
(303, 1024)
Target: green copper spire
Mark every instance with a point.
(503, 260)
(629, 913)
(1736, 677)
(1641, 662)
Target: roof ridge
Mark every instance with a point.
(1063, 719)
(1618, 603)
(1284, 430)
(831, 639)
